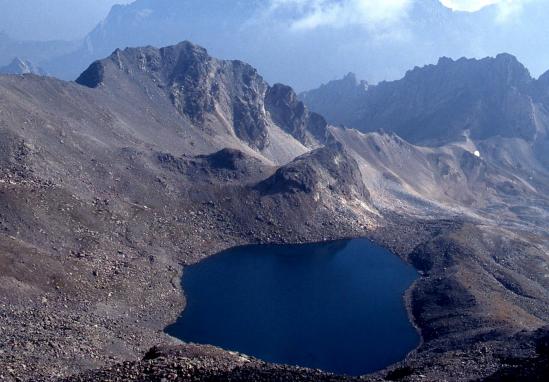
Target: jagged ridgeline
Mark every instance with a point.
(439, 104)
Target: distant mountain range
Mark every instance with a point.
(38, 52)
(19, 66)
(491, 107)
(443, 103)
(247, 30)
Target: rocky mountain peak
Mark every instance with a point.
(352, 80)
(338, 99)
(166, 64)
(542, 88)
(197, 85)
(445, 61)
(510, 67)
(209, 92)
(502, 70)
(349, 82)
(21, 66)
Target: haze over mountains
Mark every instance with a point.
(491, 106)
(437, 104)
(283, 38)
(61, 20)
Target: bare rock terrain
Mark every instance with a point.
(158, 158)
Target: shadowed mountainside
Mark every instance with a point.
(447, 102)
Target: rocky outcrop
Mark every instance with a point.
(542, 89)
(286, 110)
(329, 169)
(226, 165)
(530, 364)
(197, 85)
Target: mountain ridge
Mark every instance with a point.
(203, 89)
(149, 23)
(457, 93)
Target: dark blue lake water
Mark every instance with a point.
(334, 306)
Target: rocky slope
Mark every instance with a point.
(191, 363)
(106, 191)
(202, 364)
(507, 182)
(468, 134)
(158, 158)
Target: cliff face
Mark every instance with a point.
(286, 110)
(339, 100)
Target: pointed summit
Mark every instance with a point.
(208, 92)
(19, 66)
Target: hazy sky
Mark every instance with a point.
(73, 19)
(376, 13)
(52, 19)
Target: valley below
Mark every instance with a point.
(156, 159)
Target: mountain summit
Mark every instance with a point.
(273, 37)
(337, 99)
(19, 66)
(216, 95)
